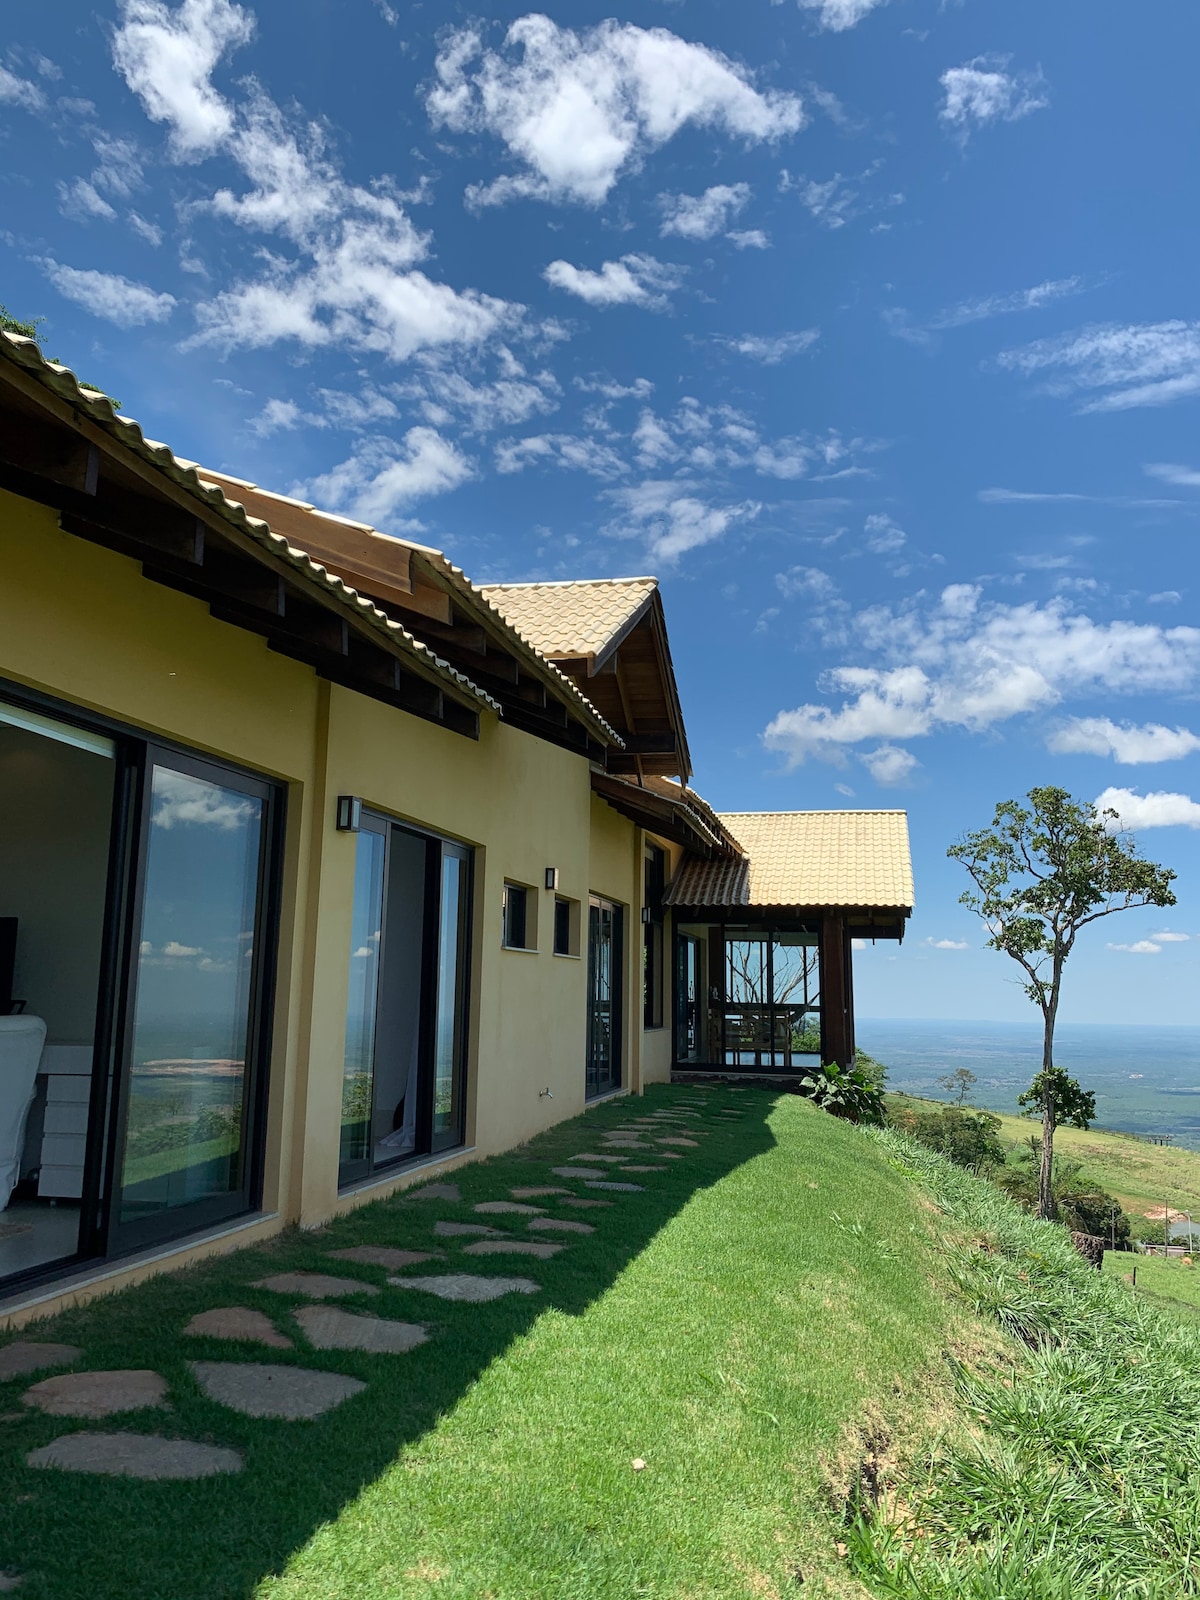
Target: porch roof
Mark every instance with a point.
(837, 860)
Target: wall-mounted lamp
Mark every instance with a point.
(646, 914)
(552, 877)
(349, 813)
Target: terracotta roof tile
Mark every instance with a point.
(572, 619)
(805, 858)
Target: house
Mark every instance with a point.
(323, 869)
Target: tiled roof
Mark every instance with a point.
(61, 381)
(572, 619)
(805, 858)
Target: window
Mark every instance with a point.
(520, 920)
(404, 1073)
(566, 926)
(652, 956)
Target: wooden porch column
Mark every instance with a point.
(836, 1042)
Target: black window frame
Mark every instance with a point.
(654, 940)
(515, 916)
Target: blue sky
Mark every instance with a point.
(869, 325)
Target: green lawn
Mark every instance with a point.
(733, 1327)
(1163, 1280)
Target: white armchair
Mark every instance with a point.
(21, 1041)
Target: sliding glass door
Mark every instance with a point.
(404, 1070)
(604, 1018)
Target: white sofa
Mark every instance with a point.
(21, 1041)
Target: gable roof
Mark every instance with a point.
(585, 619)
(813, 859)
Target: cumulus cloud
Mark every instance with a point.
(589, 455)
(983, 91)
(21, 92)
(838, 15)
(889, 764)
(1157, 810)
(384, 476)
(946, 944)
(808, 583)
(884, 538)
(81, 201)
(109, 295)
(577, 109)
(674, 517)
(182, 801)
(1125, 365)
(964, 663)
(702, 216)
(770, 348)
(167, 58)
(1129, 745)
(634, 280)
(1142, 947)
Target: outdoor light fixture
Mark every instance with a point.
(646, 914)
(552, 877)
(349, 813)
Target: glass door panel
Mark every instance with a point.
(604, 997)
(193, 1033)
(449, 1041)
(362, 1002)
(398, 1128)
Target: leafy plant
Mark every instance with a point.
(969, 1138)
(30, 330)
(846, 1092)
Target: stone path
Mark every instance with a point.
(293, 1394)
(314, 1285)
(236, 1322)
(327, 1328)
(374, 1255)
(135, 1455)
(26, 1355)
(577, 1172)
(608, 1160)
(512, 1247)
(465, 1286)
(622, 1188)
(533, 1191)
(453, 1230)
(96, 1394)
(515, 1207)
(559, 1225)
(580, 1202)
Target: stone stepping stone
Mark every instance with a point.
(629, 1167)
(27, 1355)
(535, 1190)
(378, 1255)
(135, 1455)
(626, 1144)
(678, 1139)
(328, 1328)
(559, 1225)
(294, 1394)
(236, 1322)
(97, 1394)
(580, 1203)
(666, 1155)
(466, 1286)
(577, 1172)
(435, 1191)
(513, 1207)
(621, 1188)
(10, 1582)
(454, 1230)
(513, 1247)
(314, 1285)
(607, 1160)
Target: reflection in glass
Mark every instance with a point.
(366, 924)
(451, 1001)
(192, 1016)
(604, 1012)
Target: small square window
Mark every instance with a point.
(566, 926)
(520, 917)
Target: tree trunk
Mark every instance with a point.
(1046, 1206)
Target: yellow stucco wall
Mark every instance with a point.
(82, 624)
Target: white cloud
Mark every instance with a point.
(445, 394)
(81, 201)
(946, 944)
(748, 239)
(1157, 810)
(673, 517)
(181, 801)
(381, 478)
(635, 280)
(589, 455)
(1128, 744)
(1172, 938)
(702, 216)
(1181, 477)
(107, 294)
(982, 91)
(278, 416)
(167, 58)
(964, 663)
(174, 948)
(805, 582)
(770, 349)
(1164, 597)
(1143, 947)
(837, 15)
(22, 92)
(900, 324)
(610, 389)
(576, 110)
(1025, 497)
(884, 538)
(1138, 364)
(889, 764)
(149, 231)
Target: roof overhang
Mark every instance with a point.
(668, 818)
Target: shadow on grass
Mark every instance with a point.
(76, 1537)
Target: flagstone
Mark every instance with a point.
(513, 1247)
(97, 1394)
(466, 1286)
(533, 1190)
(677, 1139)
(453, 1230)
(294, 1394)
(135, 1455)
(27, 1355)
(236, 1322)
(513, 1207)
(577, 1172)
(329, 1328)
(435, 1191)
(623, 1188)
(629, 1167)
(559, 1225)
(579, 1202)
(314, 1285)
(378, 1255)
(608, 1160)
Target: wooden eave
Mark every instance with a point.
(65, 447)
(667, 818)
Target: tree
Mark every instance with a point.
(959, 1083)
(1041, 875)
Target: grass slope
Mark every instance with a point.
(730, 1327)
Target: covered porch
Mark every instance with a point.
(764, 942)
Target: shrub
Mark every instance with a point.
(969, 1138)
(846, 1092)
